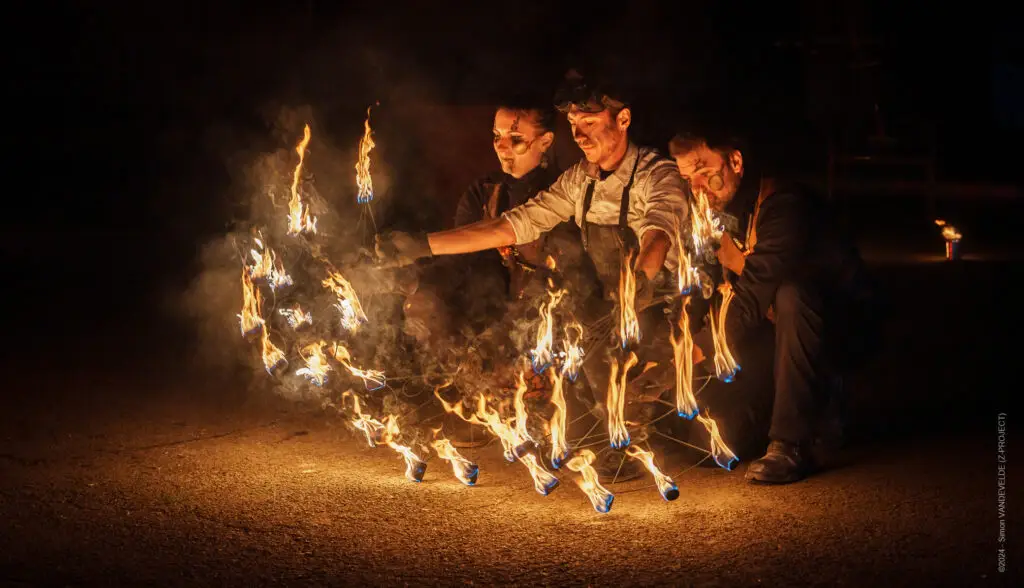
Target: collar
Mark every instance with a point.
(620, 177)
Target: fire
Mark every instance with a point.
(296, 317)
(725, 365)
(705, 228)
(629, 325)
(465, 470)
(682, 347)
(299, 218)
(667, 488)
(719, 450)
(373, 379)
(272, 356)
(515, 447)
(542, 354)
(352, 314)
(687, 275)
(559, 445)
(371, 427)
(252, 303)
(572, 356)
(617, 432)
(316, 363)
(364, 182)
(599, 496)
(522, 433)
(414, 466)
(267, 266)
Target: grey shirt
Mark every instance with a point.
(656, 200)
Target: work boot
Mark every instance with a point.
(462, 434)
(784, 463)
(613, 466)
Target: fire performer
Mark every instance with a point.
(480, 285)
(788, 265)
(621, 195)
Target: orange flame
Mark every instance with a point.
(542, 354)
(266, 265)
(272, 356)
(299, 218)
(414, 466)
(515, 448)
(371, 427)
(667, 487)
(719, 450)
(629, 325)
(316, 363)
(950, 233)
(682, 348)
(373, 379)
(559, 445)
(704, 228)
(522, 432)
(296, 317)
(348, 305)
(725, 364)
(465, 470)
(599, 496)
(364, 182)
(617, 432)
(572, 356)
(252, 303)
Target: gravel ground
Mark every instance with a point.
(145, 476)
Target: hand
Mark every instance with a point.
(399, 249)
(730, 256)
(644, 292)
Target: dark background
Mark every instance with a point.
(131, 112)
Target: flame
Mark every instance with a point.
(316, 363)
(542, 355)
(667, 488)
(266, 265)
(372, 379)
(348, 305)
(272, 356)
(617, 432)
(705, 227)
(522, 433)
(599, 496)
(371, 427)
(515, 448)
(414, 466)
(465, 470)
(252, 303)
(299, 218)
(719, 450)
(572, 356)
(725, 365)
(296, 317)
(688, 278)
(364, 182)
(682, 347)
(629, 325)
(950, 233)
(559, 445)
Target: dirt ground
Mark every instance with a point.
(151, 476)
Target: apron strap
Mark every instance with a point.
(588, 198)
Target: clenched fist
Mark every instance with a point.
(399, 249)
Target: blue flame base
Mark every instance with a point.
(418, 469)
(603, 506)
(729, 465)
(471, 473)
(548, 488)
(671, 493)
(689, 416)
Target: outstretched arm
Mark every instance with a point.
(479, 236)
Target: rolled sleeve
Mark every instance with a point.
(544, 211)
(666, 208)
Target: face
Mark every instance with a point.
(519, 141)
(601, 136)
(715, 174)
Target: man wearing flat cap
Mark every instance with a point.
(628, 201)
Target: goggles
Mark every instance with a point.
(586, 98)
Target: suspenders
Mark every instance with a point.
(588, 199)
